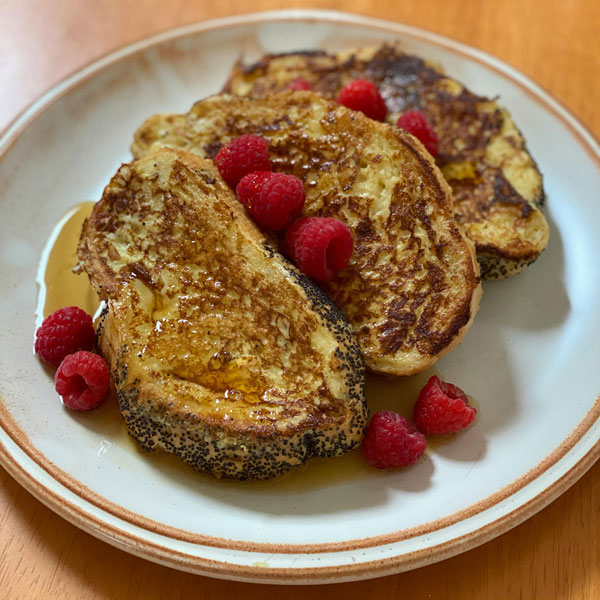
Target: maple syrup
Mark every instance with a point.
(59, 286)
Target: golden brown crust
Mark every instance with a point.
(221, 351)
(412, 286)
(496, 185)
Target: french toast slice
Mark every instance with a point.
(221, 351)
(412, 286)
(497, 187)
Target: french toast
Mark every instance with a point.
(497, 187)
(412, 286)
(221, 351)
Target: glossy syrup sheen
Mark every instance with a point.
(60, 286)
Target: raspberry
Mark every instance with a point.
(319, 246)
(63, 332)
(298, 84)
(82, 380)
(243, 155)
(442, 408)
(415, 122)
(274, 200)
(392, 441)
(363, 95)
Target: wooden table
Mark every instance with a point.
(555, 554)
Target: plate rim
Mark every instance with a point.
(84, 493)
(140, 546)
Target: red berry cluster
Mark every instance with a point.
(64, 332)
(319, 246)
(243, 155)
(442, 408)
(363, 95)
(416, 123)
(274, 200)
(391, 440)
(65, 340)
(298, 84)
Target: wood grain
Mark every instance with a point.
(555, 554)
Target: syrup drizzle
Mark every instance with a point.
(58, 285)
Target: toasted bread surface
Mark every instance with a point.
(220, 350)
(412, 286)
(497, 186)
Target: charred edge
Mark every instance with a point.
(436, 343)
(487, 252)
(505, 193)
(263, 63)
(138, 271)
(389, 63)
(212, 149)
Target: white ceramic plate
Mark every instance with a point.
(530, 359)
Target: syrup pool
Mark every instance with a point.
(58, 285)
